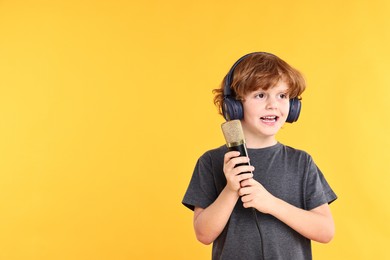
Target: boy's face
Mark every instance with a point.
(265, 112)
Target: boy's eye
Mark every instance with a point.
(260, 95)
(283, 96)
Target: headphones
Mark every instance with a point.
(232, 109)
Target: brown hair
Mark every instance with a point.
(260, 70)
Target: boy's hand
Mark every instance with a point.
(254, 195)
(232, 173)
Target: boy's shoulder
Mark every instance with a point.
(218, 151)
(296, 152)
(214, 155)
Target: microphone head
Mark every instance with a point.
(232, 130)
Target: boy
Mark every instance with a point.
(274, 207)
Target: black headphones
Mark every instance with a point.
(232, 108)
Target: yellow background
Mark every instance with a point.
(105, 107)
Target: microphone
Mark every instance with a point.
(235, 140)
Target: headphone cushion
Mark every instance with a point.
(295, 109)
(232, 109)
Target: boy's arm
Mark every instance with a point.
(316, 224)
(210, 222)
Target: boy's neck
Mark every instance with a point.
(260, 142)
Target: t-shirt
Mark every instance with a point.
(287, 173)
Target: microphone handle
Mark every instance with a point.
(243, 152)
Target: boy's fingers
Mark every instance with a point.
(243, 169)
(238, 162)
(247, 182)
(230, 155)
(245, 176)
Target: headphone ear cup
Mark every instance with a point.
(232, 109)
(295, 110)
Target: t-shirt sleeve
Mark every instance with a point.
(318, 191)
(201, 191)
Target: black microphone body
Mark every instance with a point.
(243, 152)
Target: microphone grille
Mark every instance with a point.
(232, 130)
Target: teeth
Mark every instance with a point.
(269, 118)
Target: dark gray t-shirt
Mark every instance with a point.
(288, 174)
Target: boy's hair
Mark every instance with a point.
(260, 70)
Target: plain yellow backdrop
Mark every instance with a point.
(105, 107)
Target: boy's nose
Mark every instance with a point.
(271, 103)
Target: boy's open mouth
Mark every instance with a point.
(269, 119)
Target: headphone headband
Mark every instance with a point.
(229, 77)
